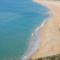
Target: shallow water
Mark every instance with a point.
(18, 19)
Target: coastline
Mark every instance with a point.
(35, 39)
(44, 51)
(32, 50)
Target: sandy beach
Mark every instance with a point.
(50, 33)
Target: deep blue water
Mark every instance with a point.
(18, 19)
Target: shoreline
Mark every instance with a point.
(35, 39)
(33, 47)
(31, 50)
(44, 51)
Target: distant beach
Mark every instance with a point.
(45, 31)
(48, 31)
(34, 42)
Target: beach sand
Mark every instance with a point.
(50, 33)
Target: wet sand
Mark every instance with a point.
(50, 33)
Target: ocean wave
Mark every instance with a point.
(34, 42)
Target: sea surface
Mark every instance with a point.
(18, 19)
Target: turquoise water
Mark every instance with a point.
(18, 19)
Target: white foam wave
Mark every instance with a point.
(34, 42)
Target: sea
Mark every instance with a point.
(18, 20)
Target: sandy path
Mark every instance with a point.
(50, 34)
